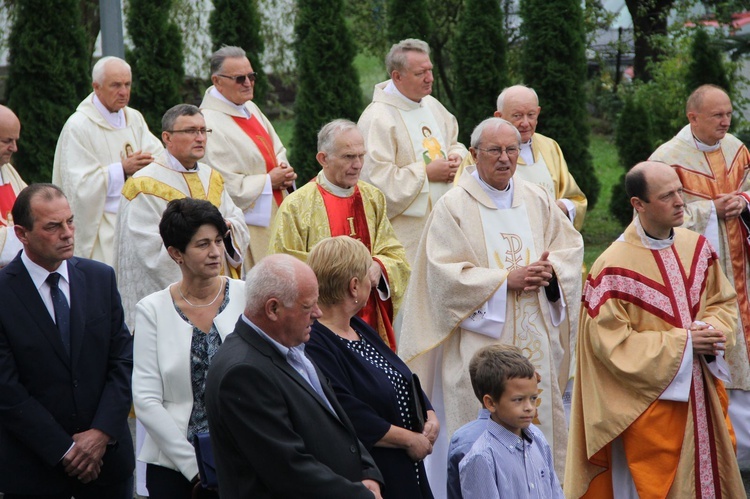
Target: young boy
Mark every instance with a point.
(511, 459)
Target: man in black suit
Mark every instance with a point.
(66, 358)
(277, 430)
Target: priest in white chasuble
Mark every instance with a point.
(245, 148)
(498, 262)
(101, 145)
(412, 144)
(143, 264)
(541, 160)
(337, 203)
(11, 184)
(649, 415)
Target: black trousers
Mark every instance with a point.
(122, 490)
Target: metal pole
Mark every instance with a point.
(110, 16)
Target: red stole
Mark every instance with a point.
(347, 217)
(7, 199)
(259, 135)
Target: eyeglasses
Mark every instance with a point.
(496, 152)
(195, 132)
(240, 80)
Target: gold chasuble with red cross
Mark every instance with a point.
(313, 213)
(639, 301)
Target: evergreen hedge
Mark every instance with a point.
(479, 61)
(706, 65)
(49, 73)
(554, 64)
(156, 60)
(408, 19)
(328, 83)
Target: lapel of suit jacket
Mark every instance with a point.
(252, 336)
(77, 308)
(31, 300)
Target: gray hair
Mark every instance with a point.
(272, 277)
(225, 52)
(501, 97)
(327, 135)
(496, 123)
(170, 117)
(97, 74)
(396, 58)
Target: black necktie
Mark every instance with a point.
(62, 309)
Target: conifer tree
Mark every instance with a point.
(633, 139)
(237, 23)
(707, 64)
(328, 83)
(49, 73)
(156, 60)
(554, 64)
(408, 19)
(479, 63)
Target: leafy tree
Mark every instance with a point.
(554, 64)
(48, 75)
(328, 83)
(649, 23)
(633, 139)
(237, 23)
(707, 64)
(156, 60)
(408, 19)
(479, 63)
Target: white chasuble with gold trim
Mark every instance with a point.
(510, 245)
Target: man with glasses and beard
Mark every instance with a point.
(245, 147)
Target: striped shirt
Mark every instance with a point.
(503, 465)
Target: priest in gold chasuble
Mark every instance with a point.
(337, 203)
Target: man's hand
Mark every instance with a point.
(707, 341)
(282, 176)
(441, 170)
(729, 206)
(374, 273)
(431, 427)
(85, 458)
(135, 162)
(373, 487)
(532, 277)
(564, 208)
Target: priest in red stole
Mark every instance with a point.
(244, 147)
(10, 184)
(337, 203)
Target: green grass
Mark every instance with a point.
(600, 229)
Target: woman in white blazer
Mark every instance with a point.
(177, 331)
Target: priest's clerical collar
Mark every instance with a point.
(390, 88)
(334, 189)
(175, 164)
(651, 242)
(117, 120)
(526, 153)
(240, 109)
(705, 147)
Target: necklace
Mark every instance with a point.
(179, 290)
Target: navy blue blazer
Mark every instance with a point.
(369, 399)
(48, 394)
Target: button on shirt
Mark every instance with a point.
(503, 465)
